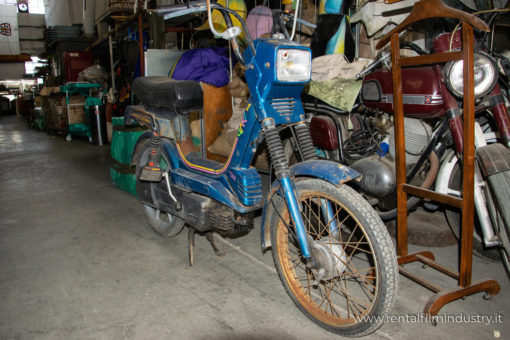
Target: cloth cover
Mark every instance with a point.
(209, 65)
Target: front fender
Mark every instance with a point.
(334, 173)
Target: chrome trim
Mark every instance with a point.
(415, 99)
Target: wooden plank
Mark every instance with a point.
(216, 112)
(418, 279)
(437, 266)
(431, 59)
(441, 198)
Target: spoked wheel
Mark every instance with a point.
(165, 224)
(355, 282)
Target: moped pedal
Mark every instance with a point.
(217, 251)
(151, 174)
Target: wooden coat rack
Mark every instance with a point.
(426, 9)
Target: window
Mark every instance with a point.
(30, 66)
(36, 6)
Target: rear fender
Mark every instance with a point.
(334, 173)
(493, 158)
(146, 135)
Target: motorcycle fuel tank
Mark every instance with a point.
(421, 92)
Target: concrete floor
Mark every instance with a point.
(78, 261)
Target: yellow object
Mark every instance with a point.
(217, 18)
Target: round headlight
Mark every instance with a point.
(486, 75)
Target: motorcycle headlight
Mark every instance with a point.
(293, 65)
(486, 75)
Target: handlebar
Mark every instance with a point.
(384, 58)
(232, 32)
(249, 39)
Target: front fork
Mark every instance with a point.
(281, 167)
(480, 194)
(500, 113)
(456, 130)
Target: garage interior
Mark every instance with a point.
(77, 257)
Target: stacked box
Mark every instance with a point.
(55, 114)
(123, 7)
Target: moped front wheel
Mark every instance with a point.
(355, 283)
(163, 223)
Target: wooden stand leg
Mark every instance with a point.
(437, 301)
(400, 165)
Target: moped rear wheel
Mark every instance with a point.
(163, 223)
(361, 279)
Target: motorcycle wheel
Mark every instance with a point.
(165, 224)
(454, 220)
(362, 279)
(500, 189)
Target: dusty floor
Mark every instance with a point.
(78, 261)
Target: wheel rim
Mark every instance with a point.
(158, 216)
(343, 300)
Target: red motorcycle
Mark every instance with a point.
(432, 98)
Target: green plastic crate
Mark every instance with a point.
(123, 143)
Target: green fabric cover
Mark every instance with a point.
(123, 143)
(339, 93)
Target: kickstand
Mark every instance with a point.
(191, 245)
(217, 251)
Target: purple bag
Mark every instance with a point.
(209, 65)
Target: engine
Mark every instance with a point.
(378, 169)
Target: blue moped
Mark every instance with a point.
(330, 248)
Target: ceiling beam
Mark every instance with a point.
(20, 58)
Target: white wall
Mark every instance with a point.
(10, 71)
(63, 12)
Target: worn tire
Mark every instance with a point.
(360, 219)
(500, 189)
(454, 220)
(164, 224)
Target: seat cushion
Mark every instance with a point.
(180, 96)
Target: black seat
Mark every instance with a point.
(180, 96)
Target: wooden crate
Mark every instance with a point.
(55, 114)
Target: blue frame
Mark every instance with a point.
(235, 184)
